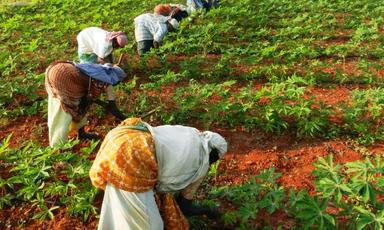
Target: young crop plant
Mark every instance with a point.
(286, 106)
(366, 176)
(5, 197)
(247, 65)
(48, 178)
(166, 79)
(195, 101)
(331, 182)
(365, 115)
(353, 189)
(259, 193)
(312, 211)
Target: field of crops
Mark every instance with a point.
(296, 88)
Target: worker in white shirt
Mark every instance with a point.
(96, 45)
(150, 29)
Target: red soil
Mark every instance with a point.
(330, 96)
(249, 153)
(26, 128)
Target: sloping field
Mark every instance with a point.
(296, 88)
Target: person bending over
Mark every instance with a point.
(71, 89)
(96, 45)
(150, 29)
(140, 167)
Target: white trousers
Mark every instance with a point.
(59, 122)
(123, 210)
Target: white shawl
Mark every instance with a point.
(182, 156)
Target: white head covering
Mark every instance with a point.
(216, 141)
(189, 11)
(174, 23)
(182, 154)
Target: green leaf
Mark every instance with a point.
(362, 223)
(363, 211)
(346, 188)
(330, 219)
(366, 193)
(4, 144)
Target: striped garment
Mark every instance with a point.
(150, 27)
(65, 82)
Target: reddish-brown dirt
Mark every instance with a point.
(249, 153)
(26, 128)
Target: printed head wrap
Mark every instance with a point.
(163, 9)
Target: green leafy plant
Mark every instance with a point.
(261, 192)
(48, 179)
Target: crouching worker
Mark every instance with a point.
(140, 167)
(71, 89)
(96, 45)
(150, 29)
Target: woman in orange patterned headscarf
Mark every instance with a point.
(140, 167)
